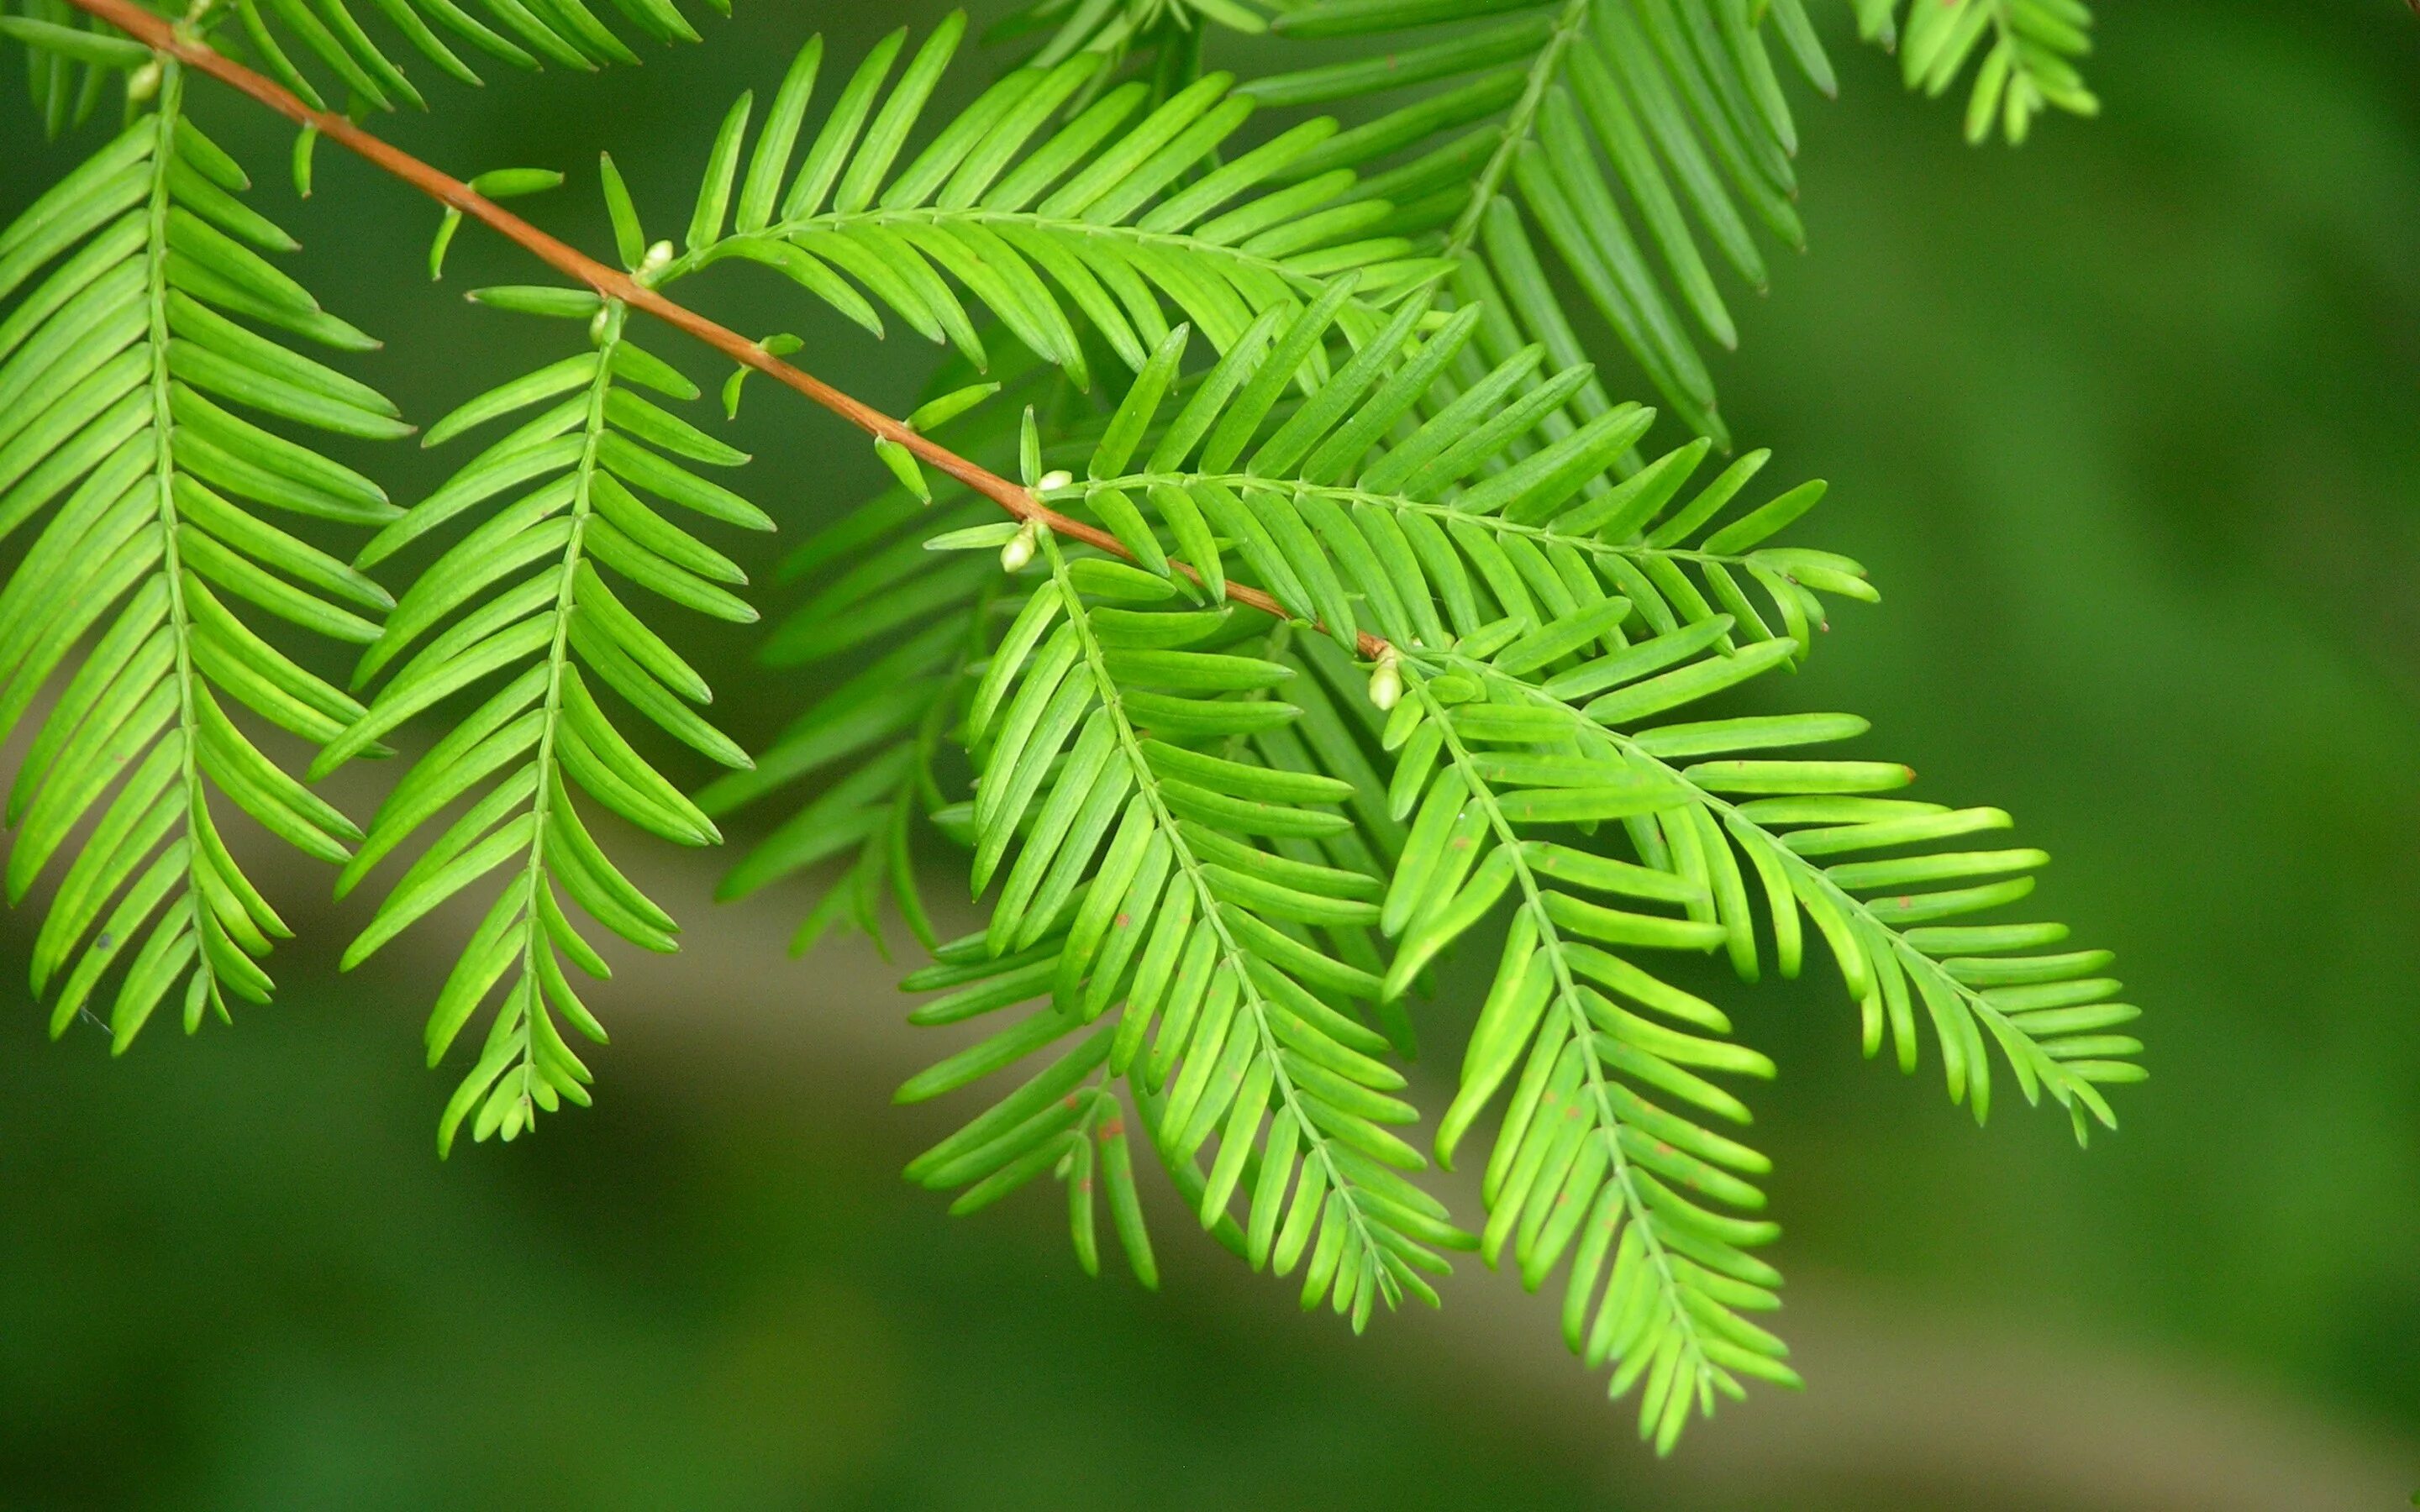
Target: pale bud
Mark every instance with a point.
(144, 82)
(1386, 681)
(596, 325)
(1019, 550)
(1053, 480)
(653, 262)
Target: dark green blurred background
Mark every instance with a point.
(2127, 424)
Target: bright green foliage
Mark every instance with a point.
(1600, 1041)
(1167, 785)
(496, 183)
(890, 718)
(1641, 141)
(1060, 228)
(1590, 1159)
(1329, 507)
(132, 342)
(524, 34)
(70, 60)
(1524, 128)
(2028, 47)
(558, 503)
(1175, 30)
(1220, 848)
(1637, 142)
(1127, 785)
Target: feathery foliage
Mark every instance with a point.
(527, 599)
(70, 60)
(1539, 622)
(120, 373)
(1088, 228)
(1596, 128)
(1523, 126)
(1221, 846)
(2029, 49)
(891, 720)
(1124, 830)
(1172, 32)
(524, 34)
(1619, 134)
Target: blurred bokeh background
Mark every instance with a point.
(2127, 424)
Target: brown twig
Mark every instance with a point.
(610, 282)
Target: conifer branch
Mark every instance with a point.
(612, 283)
(1224, 854)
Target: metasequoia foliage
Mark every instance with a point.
(1344, 619)
(1503, 147)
